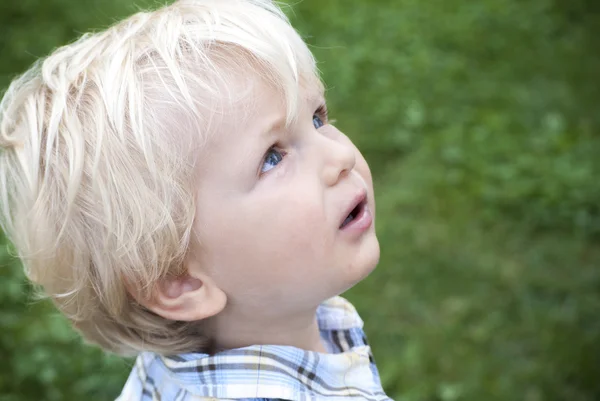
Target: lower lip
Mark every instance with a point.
(361, 223)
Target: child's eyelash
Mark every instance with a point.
(323, 112)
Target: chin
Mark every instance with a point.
(371, 260)
(367, 263)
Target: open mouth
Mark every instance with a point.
(354, 213)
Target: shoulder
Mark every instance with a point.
(149, 380)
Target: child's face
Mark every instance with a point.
(271, 201)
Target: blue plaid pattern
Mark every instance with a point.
(267, 372)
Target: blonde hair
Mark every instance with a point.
(97, 150)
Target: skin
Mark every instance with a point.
(270, 248)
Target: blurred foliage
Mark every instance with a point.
(480, 122)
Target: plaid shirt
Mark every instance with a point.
(267, 372)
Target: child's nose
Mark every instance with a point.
(339, 160)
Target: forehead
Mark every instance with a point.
(253, 94)
(226, 87)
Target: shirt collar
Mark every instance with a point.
(271, 371)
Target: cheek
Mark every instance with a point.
(365, 172)
(296, 233)
(267, 241)
(361, 164)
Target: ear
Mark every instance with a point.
(190, 297)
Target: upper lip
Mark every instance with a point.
(358, 198)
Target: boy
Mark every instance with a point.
(175, 187)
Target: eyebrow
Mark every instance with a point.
(276, 125)
(314, 101)
(279, 122)
(318, 98)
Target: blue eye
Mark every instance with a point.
(320, 116)
(317, 122)
(272, 159)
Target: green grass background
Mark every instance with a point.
(480, 121)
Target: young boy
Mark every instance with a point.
(175, 187)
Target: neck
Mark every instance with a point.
(234, 330)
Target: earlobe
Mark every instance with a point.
(186, 298)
